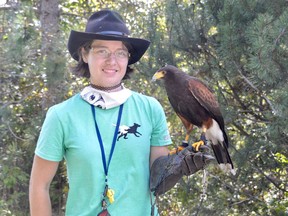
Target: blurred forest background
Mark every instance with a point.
(239, 48)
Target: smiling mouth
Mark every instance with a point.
(109, 71)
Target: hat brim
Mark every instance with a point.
(78, 39)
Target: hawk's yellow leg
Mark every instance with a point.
(197, 145)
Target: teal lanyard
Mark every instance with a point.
(105, 164)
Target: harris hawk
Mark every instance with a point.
(195, 104)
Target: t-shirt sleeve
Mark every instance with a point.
(160, 134)
(50, 142)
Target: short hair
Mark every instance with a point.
(81, 69)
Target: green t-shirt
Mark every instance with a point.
(69, 132)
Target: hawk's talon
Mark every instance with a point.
(178, 148)
(197, 145)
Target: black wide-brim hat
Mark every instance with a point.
(107, 25)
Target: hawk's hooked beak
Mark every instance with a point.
(158, 75)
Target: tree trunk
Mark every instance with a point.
(53, 61)
(49, 18)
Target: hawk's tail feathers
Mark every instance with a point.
(226, 168)
(223, 158)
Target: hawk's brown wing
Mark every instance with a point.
(207, 99)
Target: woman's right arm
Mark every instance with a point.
(42, 174)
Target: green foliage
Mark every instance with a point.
(243, 60)
(239, 48)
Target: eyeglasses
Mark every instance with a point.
(104, 53)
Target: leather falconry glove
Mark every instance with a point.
(167, 170)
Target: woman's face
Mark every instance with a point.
(107, 61)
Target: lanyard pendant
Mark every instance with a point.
(110, 195)
(104, 213)
(104, 204)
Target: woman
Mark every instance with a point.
(108, 134)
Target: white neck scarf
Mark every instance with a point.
(105, 100)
